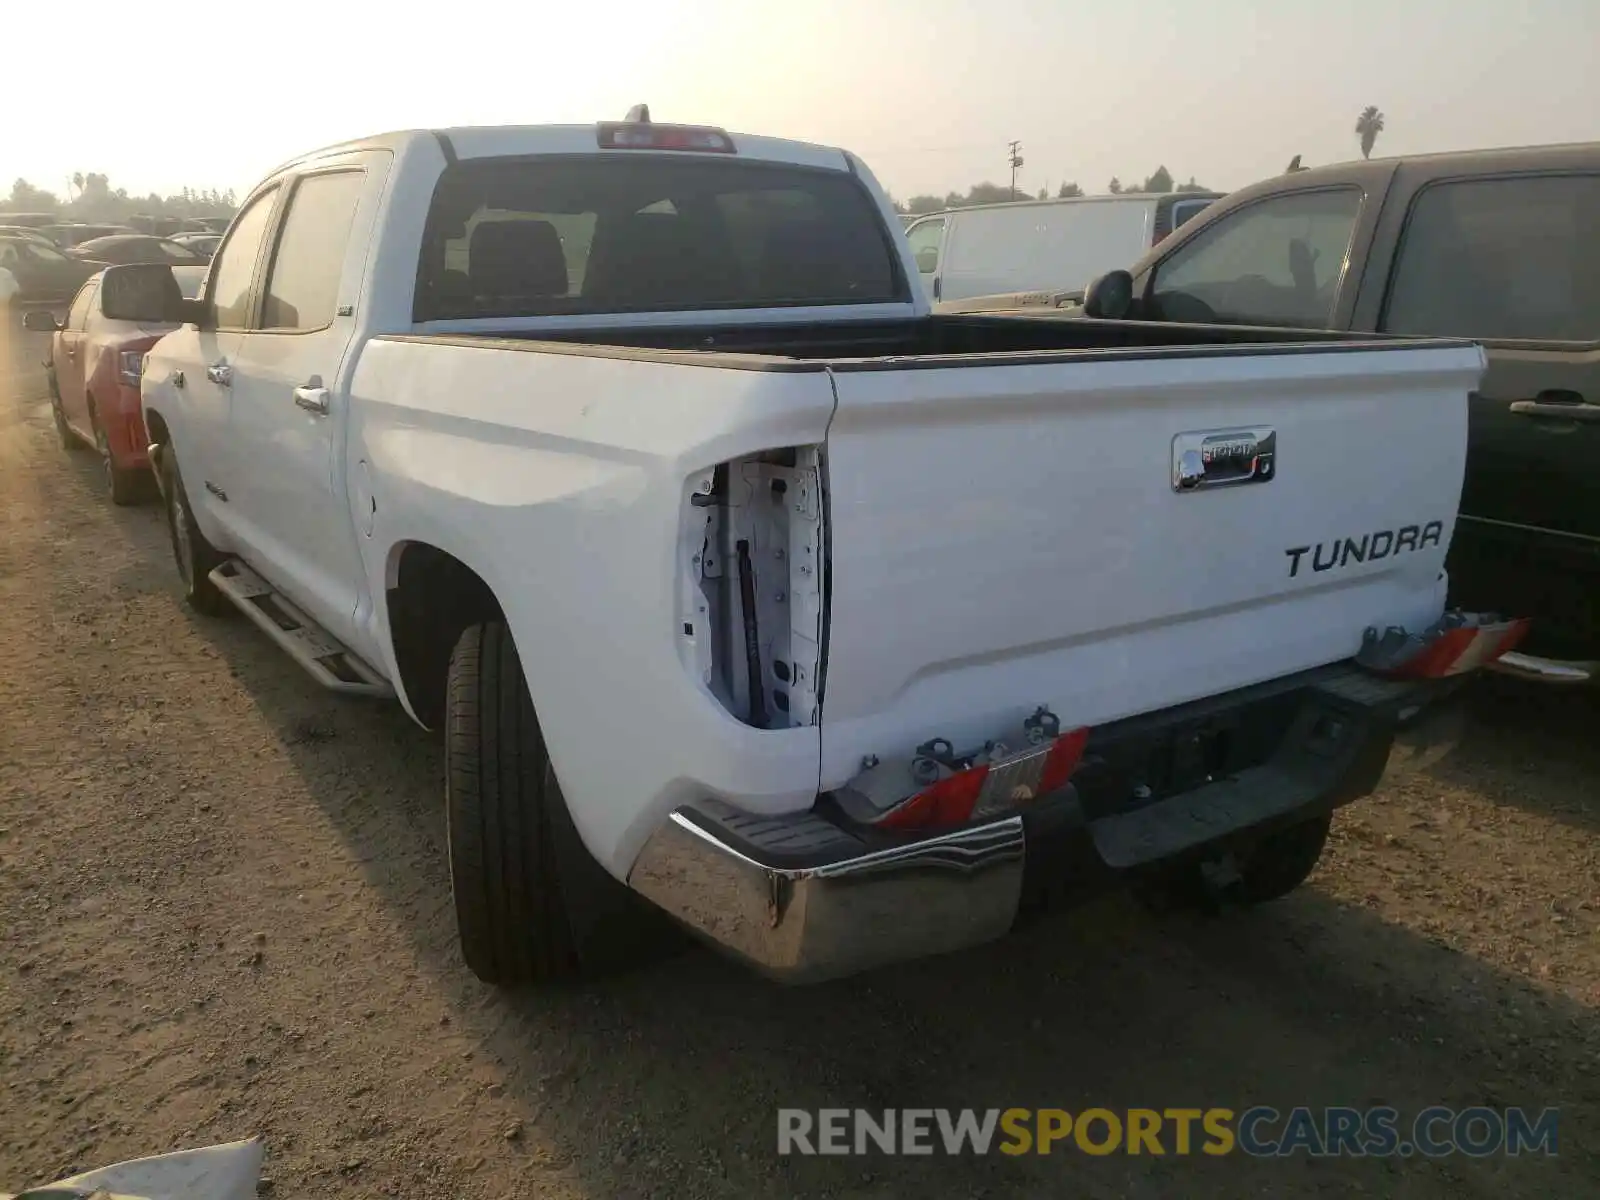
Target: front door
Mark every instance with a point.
(67, 359)
(1513, 261)
(288, 421)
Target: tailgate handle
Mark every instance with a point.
(1557, 405)
(1213, 458)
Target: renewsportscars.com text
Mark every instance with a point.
(1259, 1131)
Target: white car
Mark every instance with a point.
(1051, 246)
(745, 589)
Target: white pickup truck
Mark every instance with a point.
(745, 588)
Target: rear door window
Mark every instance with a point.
(303, 281)
(643, 233)
(1279, 261)
(1511, 259)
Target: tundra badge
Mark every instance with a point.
(1216, 458)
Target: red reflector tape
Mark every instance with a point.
(948, 802)
(992, 788)
(1458, 651)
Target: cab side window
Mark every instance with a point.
(1279, 261)
(83, 305)
(303, 281)
(234, 268)
(925, 238)
(1513, 259)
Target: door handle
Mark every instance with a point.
(220, 373)
(312, 399)
(1557, 405)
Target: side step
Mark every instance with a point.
(329, 663)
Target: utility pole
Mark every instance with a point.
(1016, 161)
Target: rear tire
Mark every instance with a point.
(1267, 871)
(532, 904)
(69, 440)
(1282, 861)
(124, 487)
(195, 557)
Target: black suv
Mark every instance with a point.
(1502, 246)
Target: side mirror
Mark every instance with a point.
(37, 320)
(143, 292)
(927, 260)
(1109, 296)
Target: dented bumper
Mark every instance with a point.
(809, 896)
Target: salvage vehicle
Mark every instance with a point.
(745, 589)
(93, 374)
(1501, 246)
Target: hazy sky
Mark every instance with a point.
(927, 91)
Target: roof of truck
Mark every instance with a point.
(1473, 161)
(1050, 201)
(487, 141)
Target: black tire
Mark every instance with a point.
(124, 487)
(195, 557)
(69, 440)
(1268, 870)
(532, 905)
(1282, 861)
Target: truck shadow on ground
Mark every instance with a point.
(667, 1080)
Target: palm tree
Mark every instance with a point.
(1368, 126)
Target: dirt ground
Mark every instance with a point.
(224, 911)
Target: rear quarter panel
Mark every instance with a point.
(562, 481)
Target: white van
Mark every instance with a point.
(1042, 245)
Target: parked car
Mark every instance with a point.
(23, 231)
(93, 371)
(203, 244)
(1041, 245)
(1501, 246)
(123, 248)
(66, 236)
(28, 220)
(42, 273)
(546, 429)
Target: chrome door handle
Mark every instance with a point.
(312, 399)
(221, 374)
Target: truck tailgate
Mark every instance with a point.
(1011, 533)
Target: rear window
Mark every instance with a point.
(641, 233)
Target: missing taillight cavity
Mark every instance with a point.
(753, 566)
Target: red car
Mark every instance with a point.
(94, 369)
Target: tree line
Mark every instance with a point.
(91, 198)
(1160, 181)
(1368, 126)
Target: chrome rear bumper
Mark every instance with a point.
(806, 924)
(802, 898)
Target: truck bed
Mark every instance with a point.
(868, 345)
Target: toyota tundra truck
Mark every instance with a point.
(746, 590)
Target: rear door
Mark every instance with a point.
(1512, 259)
(292, 513)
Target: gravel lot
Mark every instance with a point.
(224, 911)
